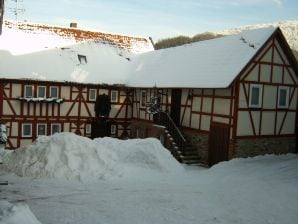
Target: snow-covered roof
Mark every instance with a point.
(208, 64)
(41, 52)
(88, 62)
(19, 38)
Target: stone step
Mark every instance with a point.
(190, 157)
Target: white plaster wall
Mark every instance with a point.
(289, 125)
(205, 125)
(253, 75)
(242, 99)
(268, 56)
(269, 99)
(265, 72)
(66, 127)
(244, 124)
(186, 118)
(64, 108)
(195, 121)
(277, 58)
(256, 118)
(15, 129)
(207, 105)
(65, 92)
(196, 103)
(277, 74)
(280, 116)
(287, 78)
(16, 90)
(222, 106)
(267, 127)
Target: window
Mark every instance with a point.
(82, 59)
(28, 91)
(113, 129)
(41, 129)
(55, 128)
(255, 96)
(283, 97)
(92, 94)
(88, 128)
(54, 91)
(114, 96)
(41, 91)
(143, 99)
(26, 130)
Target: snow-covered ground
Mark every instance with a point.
(70, 179)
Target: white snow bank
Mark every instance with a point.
(66, 155)
(16, 214)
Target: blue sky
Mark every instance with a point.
(155, 18)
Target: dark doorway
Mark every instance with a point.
(218, 143)
(100, 127)
(176, 106)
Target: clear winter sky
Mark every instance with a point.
(155, 18)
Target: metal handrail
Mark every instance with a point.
(171, 126)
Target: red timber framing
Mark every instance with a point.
(199, 107)
(72, 115)
(282, 71)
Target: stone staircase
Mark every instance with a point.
(180, 147)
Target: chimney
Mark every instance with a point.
(73, 25)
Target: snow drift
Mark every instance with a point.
(15, 214)
(69, 156)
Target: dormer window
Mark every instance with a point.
(82, 59)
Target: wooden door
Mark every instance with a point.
(176, 106)
(218, 143)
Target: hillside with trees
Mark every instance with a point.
(180, 40)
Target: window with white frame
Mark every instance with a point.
(55, 128)
(41, 129)
(143, 99)
(41, 91)
(26, 130)
(283, 97)
(255, 96)
(88, 128)
(114, 96)
(28, 91)
(54, 92)
(113, 129)
(92, 94)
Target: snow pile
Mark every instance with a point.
(69, 156)
(15, 214)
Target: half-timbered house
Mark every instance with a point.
(234, 96)
(51, 77)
